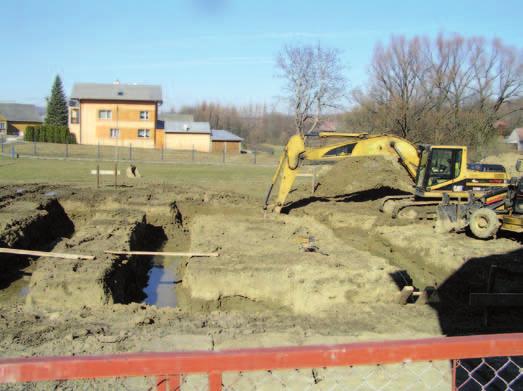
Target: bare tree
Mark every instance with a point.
(450, 89)
(314, 83)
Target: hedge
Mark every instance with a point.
(49, 134)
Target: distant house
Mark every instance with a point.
(223, 140)
(16, 117)
(501, 127)
(116, 114)
(327, 125)
(516, 138)
(187, 135)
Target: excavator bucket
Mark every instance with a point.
(451, 217)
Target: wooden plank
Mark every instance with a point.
(104, 172)
(162, 253)
(496, 299)
(47, 254)
(405, 293)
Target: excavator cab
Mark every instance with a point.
(444, 169)
(438, 165)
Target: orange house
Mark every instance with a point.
(116, 114)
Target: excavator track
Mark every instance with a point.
(395, 205)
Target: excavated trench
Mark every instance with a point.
(69, 226)
(90, 223)
(255, 252)
(152, 280)
(40, 226)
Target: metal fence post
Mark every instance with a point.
(97, 176)
(34, 147)
(66, 148)
(12, 150)
(161, 153)
(115, 174)
(98, 151)
(254, 155)
(130, 151)
(313, 184)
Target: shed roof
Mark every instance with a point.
(187, 127)
(20, 112)
(224, 135)
(117, 91)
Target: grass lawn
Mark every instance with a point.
(252, 180)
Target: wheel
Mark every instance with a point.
(484, 223)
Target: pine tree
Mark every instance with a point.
(57, 111)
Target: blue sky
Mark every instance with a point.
(219, 50)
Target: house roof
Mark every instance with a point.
(19, 112)
(187, 127)
(176, 117)
(515, 136)
(117, 91)
(224, 135)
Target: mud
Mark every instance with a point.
(329, 271)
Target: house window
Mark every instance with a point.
(2, 125)
(145, 133)
(144, 115)
(105, 114)
(115, 132)
(74, 116)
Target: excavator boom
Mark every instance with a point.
(358, 144)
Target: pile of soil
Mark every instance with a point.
(508, 160)
(357, 174)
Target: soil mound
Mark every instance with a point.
(508, 160)
(356, 174)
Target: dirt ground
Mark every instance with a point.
(328, 271)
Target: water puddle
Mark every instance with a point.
(17, 290)
(161, 287)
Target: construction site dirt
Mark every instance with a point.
(328, 270)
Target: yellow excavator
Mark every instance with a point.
(435, 169)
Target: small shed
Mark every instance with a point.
(187, 135)
(516, 138)
(16, 117)
(223, 140)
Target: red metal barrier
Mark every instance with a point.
(168, 367)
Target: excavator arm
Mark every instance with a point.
(360, 144)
